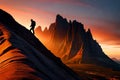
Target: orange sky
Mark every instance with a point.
(104, 26)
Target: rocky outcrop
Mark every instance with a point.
(73, 44)
(24, 57)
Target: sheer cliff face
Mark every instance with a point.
(23, 56)
(73, 44)
(63, 37)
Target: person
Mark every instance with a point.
(33, 24)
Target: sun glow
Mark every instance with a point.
(112, 51)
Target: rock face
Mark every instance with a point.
(73, 44)
(24, 57)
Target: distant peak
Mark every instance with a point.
(45, 29)
(79, 23)
(39, 27)
(74, 21)
(89, 33)
(59, 16)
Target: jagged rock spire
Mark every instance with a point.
(89, 34)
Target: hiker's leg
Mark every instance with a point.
(33, 31)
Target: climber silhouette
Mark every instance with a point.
(33, 23)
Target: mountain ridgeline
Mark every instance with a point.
(24, 57)
(73, 44)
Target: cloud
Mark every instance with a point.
(38, 2)
(107, 34)
(73, 2)
(104, 30)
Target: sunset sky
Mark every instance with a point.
(101, 16)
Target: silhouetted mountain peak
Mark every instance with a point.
(74, 21)
(59, 16)
(45, 29)
(60, 19)
(89, 31)
(89, 34)
(78, 24)
(40, 27)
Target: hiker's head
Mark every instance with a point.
(31, 19)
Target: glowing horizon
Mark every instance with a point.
(101, 19)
